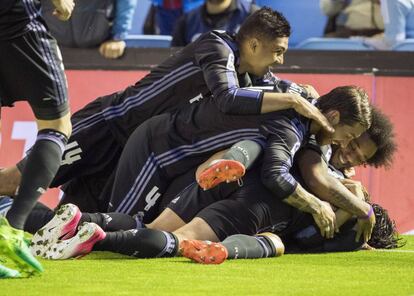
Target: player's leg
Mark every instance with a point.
(9, 180)
(140, 181)
(186, 204)
(36, 76)
(63, 223)
(229, 165)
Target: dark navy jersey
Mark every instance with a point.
(325, 153)
(284, 133)
(206, 68)
(17, 17)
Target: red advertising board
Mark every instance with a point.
(392, 94)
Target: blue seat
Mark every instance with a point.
(151, 41)
(304, 16)
(140, 14)
(333, 44)
(406, 45)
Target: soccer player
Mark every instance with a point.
(381, 137)
(251, 209)
(186, 138)
(32, 70)
(215, 67)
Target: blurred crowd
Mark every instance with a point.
(108, 24)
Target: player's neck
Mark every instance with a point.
(217, 8)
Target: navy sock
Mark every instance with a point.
(38, 217)
(240, 246)
(245, 152)
(41, 167)
(141, 243)
(110, 221)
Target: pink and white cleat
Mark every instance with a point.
(62, 226)
(79, 245)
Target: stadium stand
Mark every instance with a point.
(406, 45)
(333, 44)
(139, 16)
(149, 41)
(305, 17)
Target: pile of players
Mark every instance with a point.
(208, 156)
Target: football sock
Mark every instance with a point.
(245, 152)
(41, 166)
(141, 243)
(38, 217)
(110, 221)
(240, 246)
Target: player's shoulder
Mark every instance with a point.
(216, 41)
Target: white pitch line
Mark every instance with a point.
(394, 251)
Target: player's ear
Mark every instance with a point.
(333, 117)
(253, 44)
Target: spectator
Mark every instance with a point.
(399, 23)
(103, 23)
(164, 14)
(224, 15)
(352, 18)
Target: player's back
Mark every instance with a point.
(180, 80)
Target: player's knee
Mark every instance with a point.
(197, 229)
(62, 125)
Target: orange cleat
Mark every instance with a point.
(204, 252)
(221, 170)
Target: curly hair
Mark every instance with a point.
(264, 23)
(382, 134)
(384, 235)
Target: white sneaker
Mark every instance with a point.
(79, 245)
(62, 226)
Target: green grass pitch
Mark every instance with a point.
(101, 273)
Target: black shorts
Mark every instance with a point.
(86, 192)
(230, 209)
(31, 70)
(190, 201)
(91, 152)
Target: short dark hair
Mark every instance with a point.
(384, 235)
(264, 23)
(352, 102)
(381, 132)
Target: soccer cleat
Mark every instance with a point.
(13, 246)
(62, 226)
(221, 170)
(204, 252)
(79, 245)
(6, 272)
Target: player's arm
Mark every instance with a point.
(217, 62)
(316, 177)
(276, 176)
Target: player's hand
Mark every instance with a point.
(367, 247)
(355, 187)
(349, 172)
(305, 108)
(364, 228)
(326, 220)
(310, 90)
(63, 9)
(112, 49)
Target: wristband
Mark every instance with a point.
(370, 212)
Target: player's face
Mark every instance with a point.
(264, 54)
(356, 153)
(342, 136)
